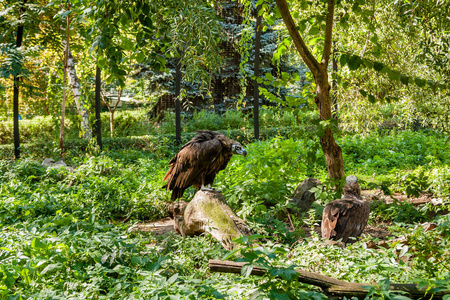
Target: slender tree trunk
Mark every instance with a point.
(178, 101)
(16, 118)
(63, 105)
(112, 111)
(98, 123)
(16, 90)
(331, 150)
(256, 73)
(80, 102)
(334, 84)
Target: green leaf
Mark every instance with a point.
(37, 244)
(392, 75)
(343, 59)
(377, 66)
(302, 26)
(419, 82)
(269, 76)
(246, 270)
(140, 57)
(404, 79)
(314, 30)
(173, 278)
(354, 62)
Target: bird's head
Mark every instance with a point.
(238, 149)
(351, 187)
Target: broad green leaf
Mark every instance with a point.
(404, 79)
(420, 82)
(392, 75)
(354, 62)
(140, 57)
(314, 30)
(246, 270)
(173, 278)
(37, 244)
(377, 66)
(343, 59)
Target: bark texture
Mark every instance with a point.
(63, 104)
(331, 150)
(208, 212)
(80, 102)
(333, 288)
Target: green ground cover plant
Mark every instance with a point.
(70, 234)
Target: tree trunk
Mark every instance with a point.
(113, 110)
(331, 150)
(16, 90)
(334, 84)
(333, 288)
(178, 101)
(63, 104)
(98, 123)
(208, 212)
(80, 102)
(256, 73)
(111, 122)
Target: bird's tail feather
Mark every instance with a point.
(177, 193)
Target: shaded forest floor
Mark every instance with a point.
(378, 232)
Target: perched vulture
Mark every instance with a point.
(199, 160)
(347, 217)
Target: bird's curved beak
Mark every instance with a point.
(242, 152)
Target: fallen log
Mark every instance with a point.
(333, 288)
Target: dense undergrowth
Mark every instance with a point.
(69, 234)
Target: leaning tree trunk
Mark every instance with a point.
(208, 212)
(80, 102)
(331, 150)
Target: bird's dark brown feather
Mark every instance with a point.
(198, 162)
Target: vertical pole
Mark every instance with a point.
(177, 101)
(16, 91)
(256, 73)
(98, 123)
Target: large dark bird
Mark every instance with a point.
(199, 160)
(346, 218)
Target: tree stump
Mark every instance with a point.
(208, 212)
(302, 197)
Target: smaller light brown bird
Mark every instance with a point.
(345, 219)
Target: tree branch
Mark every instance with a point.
(328, 33)
(306, 55)
(332, 287)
